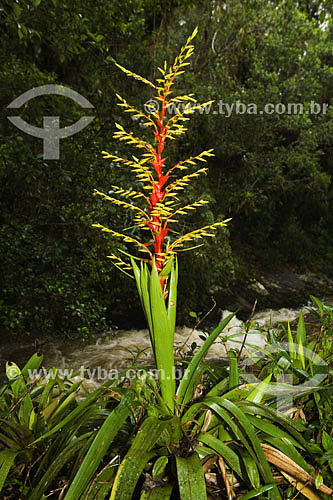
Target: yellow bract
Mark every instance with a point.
(157, 215)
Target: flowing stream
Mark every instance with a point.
(127, 348)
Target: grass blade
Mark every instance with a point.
(58, 463)
(292, 351)
(251, 469)
(248, 429)
(144, 284)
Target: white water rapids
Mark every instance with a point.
(127, 348)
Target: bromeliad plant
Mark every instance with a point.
(229, 428)
(156, 272)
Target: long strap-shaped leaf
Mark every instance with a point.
(191, 478)
(59, 462)
(77, 411)
(222, 449)
(172, 299)
(102, 484)
(188, 382)
(163, 337)
(257, 492)
(248, 428)
(7, 458)
(136, 458)
(99, 447)
(144, 283)
(158, 493)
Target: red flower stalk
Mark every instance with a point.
(162, 205)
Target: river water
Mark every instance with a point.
(120, 350)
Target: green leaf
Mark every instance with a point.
(144, 287)
(219, 387)
(32, 365)
(233, 370)
(57, 464)
(159, 467)
(99, 447)
(7, 458)
(163, 337)
(167, 267)
(136, 458)
(17, 10)
(300, 353)
(272, 429)
(63, 406)
(257, 492)
(249, 431)
(257, 394)
(291, 346)
(301, 331)
(19, 389)
(188, 382)
(251, 469)
(222, 449)
(158, 493)
(93, 396)
(191, 479)
(327, 441)
(137, 276)
(172, 299)
(318, 303)
(292, 426)
(102, 483)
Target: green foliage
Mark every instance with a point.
(232, 432)
(272, 173)
(237, 432)
(48, 422)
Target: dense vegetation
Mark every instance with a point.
(271, 173)
(57, 441)
(256, 424)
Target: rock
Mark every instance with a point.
(274, 290)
